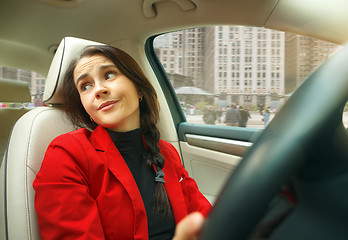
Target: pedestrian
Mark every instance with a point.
(244, 117)
(266, 116)
(209, 116)
(232, 117)
(219, 115)
(260, 108)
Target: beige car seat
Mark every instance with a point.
(26, 148)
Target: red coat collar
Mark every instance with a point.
(100, 139)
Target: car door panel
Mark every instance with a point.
(211, 153)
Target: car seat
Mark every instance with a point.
(26, 147)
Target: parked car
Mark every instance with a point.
(249, 53)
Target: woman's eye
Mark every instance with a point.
(110, 75)
(85, 86)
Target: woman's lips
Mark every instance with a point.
(107, 105)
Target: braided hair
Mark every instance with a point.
(149, 111)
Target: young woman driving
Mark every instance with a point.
(114, 178)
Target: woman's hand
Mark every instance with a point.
(189, 227)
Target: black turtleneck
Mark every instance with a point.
(130, 145)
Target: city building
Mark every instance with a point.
(302, 56)
(182, 53)
(245, 65)
(242, 65)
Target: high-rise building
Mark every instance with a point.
(182, 53)
(245, 64)
(37, 88)
(302, 56)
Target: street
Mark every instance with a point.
(254, 122)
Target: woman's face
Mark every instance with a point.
(107, 95)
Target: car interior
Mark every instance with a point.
(246, 173)
(11, 91)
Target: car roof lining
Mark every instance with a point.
(274, 14)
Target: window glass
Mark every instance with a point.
(253, 70)
(35, 82)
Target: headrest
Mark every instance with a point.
(68, 50)
(14, 91)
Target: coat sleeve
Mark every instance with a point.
(194, 199)
(63, 204)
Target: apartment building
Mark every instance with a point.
(245, 64)
(182, 56)
(303, 55)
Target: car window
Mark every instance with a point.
(237, 75)
(36, 84)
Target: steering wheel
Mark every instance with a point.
(306, 144)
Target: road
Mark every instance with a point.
(254, 122)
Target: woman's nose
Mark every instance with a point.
(101, 90)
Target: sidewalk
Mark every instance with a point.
(254, 122)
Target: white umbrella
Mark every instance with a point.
(192, 91)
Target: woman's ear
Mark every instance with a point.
(140, 96)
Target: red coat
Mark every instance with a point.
(84, 190)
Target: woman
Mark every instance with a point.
(266, 116)
(120, 180)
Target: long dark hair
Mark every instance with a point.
(149, 109)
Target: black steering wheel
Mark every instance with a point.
(306, 144)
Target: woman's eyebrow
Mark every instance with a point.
(80, 78)
(107, 66)
(86, 74)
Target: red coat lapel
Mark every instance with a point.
(175, 196)
(103, 143)
(172, 185)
